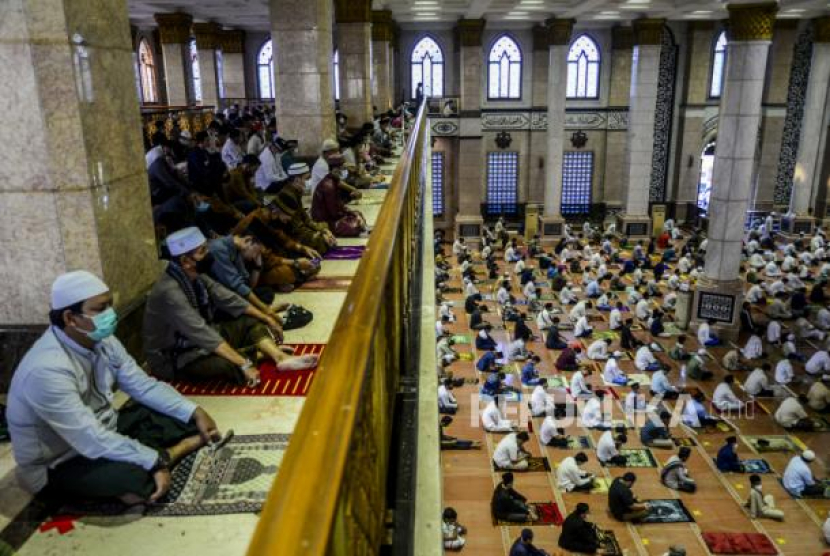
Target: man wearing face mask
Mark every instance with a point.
(196, 328)
(321, 166)
(69, 441)
(328, 204)
(302, 227)
(239, 191)
(270, 174)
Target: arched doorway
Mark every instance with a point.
(704, 184)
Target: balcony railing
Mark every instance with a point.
(330, 494)
(165, 118)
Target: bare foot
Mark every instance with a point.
(300, 363)
(287, 349)
(252, 377)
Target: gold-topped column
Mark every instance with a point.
(719, 294)
(382, 81)
(207, 35)
(354, 43)
(301, 34)
(174, 33)
(232, 45)
(74, 193)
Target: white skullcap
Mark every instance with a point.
(73, 287)
(808, 455)
(186, 134)
(701, 351)
(298, 169)
(329, 145)
(791, 337)
(185, 241)
(617, 354)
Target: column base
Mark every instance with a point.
(634, 226)
(532, 221)
(553, 227)
(469, 227)
(718, 300)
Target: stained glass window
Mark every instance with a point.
(220, 73)
(265, 70)
(577, 179)
(195, 74)
(583, 68)
(504, 72)
(704, 184)
(147, 72)
(502, 182)
(336, 64)
(427, 68)
(437, 183)
(718, 66)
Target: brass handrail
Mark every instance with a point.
(329, 497)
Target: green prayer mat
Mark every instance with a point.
(606, 335)
(580, 443)
(535, 465)
(556, 381)
(638, 457)
(461, 339)
(679, 442)
(820, 424)
(601, 485)
(776, 443)
(642, 379)
(465, 356)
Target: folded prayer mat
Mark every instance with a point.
(535, 465)
(548, 513)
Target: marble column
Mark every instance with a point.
(813, 132)
(74, 192)
(645, 75)
(720, 292)
(232, 44)
(301, 34)
(559, 40)
(174, 32)
(206, 44)
(382, 85)
(354, 43)
(471, 176)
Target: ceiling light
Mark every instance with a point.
(701, 12)
(609, 13)
(424, 8)
(638, 1)
(425, 14)
(425, 2)
(532, 2)
(607, 16)
(794, 11)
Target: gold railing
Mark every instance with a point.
(163, 118)
(330, 494)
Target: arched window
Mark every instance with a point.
(195, 73)
(220, 73)
(265, 70)
(147, 71)
(718, 66)
(336, 64)
(707, 173)
(427, 68)
(583, 68)
(505, 70)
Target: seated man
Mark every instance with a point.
(508, 505)
(571, 478)
(724, 398)
(541, 403)
(579, 387)
(487, 363)
(612, 373)
(578, 534)
(798, 478)
(553, 340)
(493, 420)
(598, 350)
(760, 505)
(623, 504)
(608, 448)
(655, 434)
(483, 339)
(328, 203)
(551, 435)
(627, 338)
(582, 329)
(792, 416)
(69, 441)
(678, 352)
(675, 474)
(523, 546)
(454, 443)
(568, 359)
(644, 360)
(634, 401)
(451, 531)
(728, 460)
(660, 385)
(705, 335)
(510, 452)
(695, 367)
(818, 397)
(757, 383)
(530, 375)
(695, 414)
(447, 403)
(183, 334)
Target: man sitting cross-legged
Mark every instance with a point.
(195, 327)
(69, 441)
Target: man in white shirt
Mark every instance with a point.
(757, 383)
(582, 329)
(823, 318)
(615, 320)
(580, 310)
(459, 247)
(818, 397)
(784, 372)
(612, 373)
(792, 415)
(608, 448)
(598, 350)
(493, 420)
(643, 310)
(724, 398)
(510, 453)
(818, 364)
(634, 400)
(231, 151)
(579, 387)
(551, 435)
(705, 335)
(321, 166)
(570, 478)
(660, 385)
(255, 142)
(755, 294)
(447, 403)
(798, 478)
(444, 350)
(270, 170)
(593, 416)
(644, 360)
(544, 319)
(774, 332)
(540, 402)
(566, 296)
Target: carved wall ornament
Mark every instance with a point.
(560, 31)
(751, 22)
(648, 31)
(174, 28)
(579, 139)
(503, 140)
(470, 31)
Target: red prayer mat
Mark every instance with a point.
(60, 523)
(548, 513)
(274, 382)
(739, 543)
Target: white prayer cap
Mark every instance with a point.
(791, 337)
(185, 241)
(186, 134)
(329, 145)
(617, 354)
(298, 169)
(73, 287)
(808, 455)
(701, 351)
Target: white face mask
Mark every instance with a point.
(759, 488)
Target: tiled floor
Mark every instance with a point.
(225, 535)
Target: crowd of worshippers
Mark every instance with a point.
(237, 234)
(646, 302)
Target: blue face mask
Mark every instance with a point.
(105, 325)
(203, 206)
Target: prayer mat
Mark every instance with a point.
(465, 356)
(668, 511)
(236, 479)
(638, 457)
(548, 513)
(461, 339)
(274, 382)
(640, 378)
(759, 466)
(679, 442)
(620, 423)
(775, 443)
(601, 486)
(717, 428)
(820, 424)
(556, 381)
(327, 284)
(535, 465)
(825, 483)
(738, 543)
(344, 253)
(606, 334)
(580, 443)
(608, 542)
(452, 290)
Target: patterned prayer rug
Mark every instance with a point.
(606, 335)
(668, 511)
(601, 485)
(580, 443)
(638, 457)
(684, 442)
(640, 378)
(548, 513)
(759, 466)
(556, 381)
(621, 423)
(774, 443)
(344, 253)
(274, 382)
(820, 424)
(461, 339)
(236, 479)
(608, 541)
(535, 465)
(739, 543)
